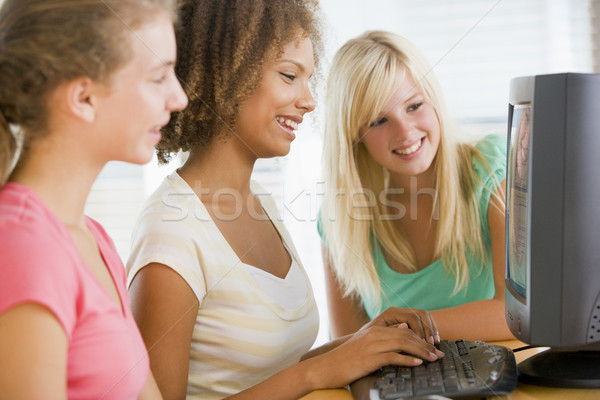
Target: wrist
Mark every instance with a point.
(312, 374)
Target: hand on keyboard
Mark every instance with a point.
(468, 369)
(419, 321)
(369, 349)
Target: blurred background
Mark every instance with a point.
(475, 47)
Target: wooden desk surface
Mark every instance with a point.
(522, 392)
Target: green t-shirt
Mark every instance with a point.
(431, 288)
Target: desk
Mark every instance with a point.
(522, 392)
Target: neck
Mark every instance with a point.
(412, 183)
(215, 167)
(60, 176)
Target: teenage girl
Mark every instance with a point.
(411, 217)
(82, 82)
(218, 289)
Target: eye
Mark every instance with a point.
(163, 74)
(160, 78)
(377, 122)
(415, 106)
(289, 77)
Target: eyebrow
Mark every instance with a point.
(412, 97)
(296, 63)
(162, 64)
(403, 101)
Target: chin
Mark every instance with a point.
(140, 159)
(281, 151)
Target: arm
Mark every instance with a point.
(150, 390)
(353, 357)
(483, 319)
(346, 314)
(419, 321)
(166, 323)
(33, 345)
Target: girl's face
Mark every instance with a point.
(405, 136)
(141, 95)
(268, 119)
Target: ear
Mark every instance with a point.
(80, 99)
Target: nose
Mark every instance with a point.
(177, 99)
(401, 123)
(306, 100)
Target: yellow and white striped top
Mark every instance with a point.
(250, 324)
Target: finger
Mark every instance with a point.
(404, 341)
(430, 327)
(404, 360)
(397, 315)
(436, 332)
(392, 316)
(417, 350)
(415, 322)
(411, 359)
(426, 323)
(402, 325)
(420, 348)
(420, 321)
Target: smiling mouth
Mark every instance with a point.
(409, 150)
(293, 125)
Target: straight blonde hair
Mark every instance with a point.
(364, 74)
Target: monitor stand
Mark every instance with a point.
(576, 369)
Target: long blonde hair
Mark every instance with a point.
(364, 74)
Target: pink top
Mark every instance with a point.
(40, 263)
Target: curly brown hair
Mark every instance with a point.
(222, 46)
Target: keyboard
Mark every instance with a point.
(467, 369)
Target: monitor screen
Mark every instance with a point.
(517, 189)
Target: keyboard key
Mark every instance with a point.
(468, 369)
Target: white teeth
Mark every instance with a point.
(288, 122)
(409, 150)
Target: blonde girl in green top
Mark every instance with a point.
(402, 219)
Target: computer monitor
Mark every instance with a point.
(553, 226)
